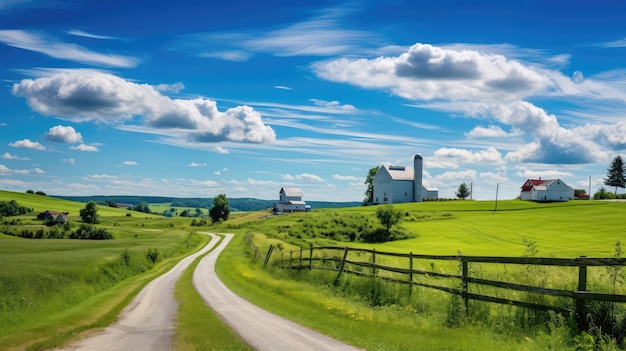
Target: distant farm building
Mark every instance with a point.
(53, 216)
(546, 190)
(291, 200)
(396, 184)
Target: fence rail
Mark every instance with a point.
(337, 259)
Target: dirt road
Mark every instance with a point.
(147, 323)
(259, 328)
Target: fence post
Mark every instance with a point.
(581, 318)
(410, 274)
(301, 248)
(310, 257)
(269, 254)
(374, 262)
(465, 270)
(343, 263)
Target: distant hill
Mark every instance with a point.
(236, 204)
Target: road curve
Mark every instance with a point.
(148, 322)
(259, 328)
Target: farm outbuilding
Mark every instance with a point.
(291, 200)
(546, 190)
(397, 184)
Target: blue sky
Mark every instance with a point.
(198, 98)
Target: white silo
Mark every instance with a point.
(417, 178)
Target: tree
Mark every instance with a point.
(89, 214)
(369, 181)
(615, 174)
(463, 191)
(220, 209)
(388, 217)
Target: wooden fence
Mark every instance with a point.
(338, 259)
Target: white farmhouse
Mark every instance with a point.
(546, 190)
(290, 201)
(396, 184)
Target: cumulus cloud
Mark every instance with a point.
(221, 150)
(170, 88)
(426, 72)
(28, 144)
(8, 156)
(489, 132)
(86, 148)
(489, 156)
(103, 97)
(63, 134)
(65, 51)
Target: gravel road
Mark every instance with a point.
(259, 328)
(147, 323)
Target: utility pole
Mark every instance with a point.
(496, 208)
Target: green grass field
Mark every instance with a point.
(60, 287)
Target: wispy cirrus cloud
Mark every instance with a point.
(37, 42)
(321, 35)
(80, 33)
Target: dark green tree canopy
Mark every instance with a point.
(388, 217)
(463, 191)
(369, 181)
(220, 209)
(615, 174)
(89, 214)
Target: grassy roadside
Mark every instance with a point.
(198, 327)
(565, 230)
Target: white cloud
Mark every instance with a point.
(38, 171)
(489, 132)
(69, 160)
(333, 105)
(304, 176)
(228, 55)
(547, 174)
(80, 33)
(348, 178)
(426, 72)
(129, 163)
(170, 88)
(6, 170)
(28, 144)
(282, 87)
(49, 46)
(8, 156)
(63, 134)
(86, 148)
(218, 173)
(221, 150)
(460, 176)
(194, 164)
(490, 156)
(88, 95)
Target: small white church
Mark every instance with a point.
(397, 184)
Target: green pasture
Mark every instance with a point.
(52, 289)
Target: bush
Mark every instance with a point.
(90, 232)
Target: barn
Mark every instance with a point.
(291, 200)
(546, 190)
(397, 184)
